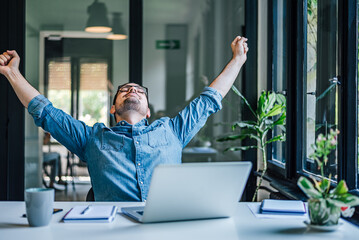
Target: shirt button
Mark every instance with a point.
(137, 142)
(141, 182)
(122, 123)
(139, 164)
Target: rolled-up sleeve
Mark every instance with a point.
(37, 105)
(214, 96)
(72, 133)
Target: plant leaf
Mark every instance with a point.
(340, 189)
(271, 100)
(248, 124)
(236, 91)
(276, 138)
(261, 104)
(324, 185)
(347, 199)
(240, 148)
(282, 127)
(229, 138)
(281, 99)
(308, 188)
(277, 109)
(280, 120)
(337, 203)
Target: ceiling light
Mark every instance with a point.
(98, 21)
(118, 31)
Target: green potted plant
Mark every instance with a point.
(325, 205)
(271, 112)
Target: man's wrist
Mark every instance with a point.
(12, 72)
(238, 60)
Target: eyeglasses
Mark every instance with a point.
(139, 89)
(125, 88)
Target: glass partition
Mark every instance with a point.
(78, 71)
(186, 44)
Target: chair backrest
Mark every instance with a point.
(90, 196)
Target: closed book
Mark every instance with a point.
(91, 213)
(272, 206)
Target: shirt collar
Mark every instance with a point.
(143, 122)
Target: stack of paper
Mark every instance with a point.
(271, 206)
(91, 213)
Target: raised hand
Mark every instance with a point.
(240, 48)
(9, 61)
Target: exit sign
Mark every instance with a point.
(168, 44)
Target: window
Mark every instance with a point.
(279, 68)
(323, 48)
(322, 81)
(93, 97)
(59, 86)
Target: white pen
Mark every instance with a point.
(86, 209)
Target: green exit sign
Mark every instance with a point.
(168, 44)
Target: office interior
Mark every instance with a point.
(306, 50)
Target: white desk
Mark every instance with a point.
(243, 226)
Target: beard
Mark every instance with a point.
(130, 104)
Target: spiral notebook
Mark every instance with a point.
(91, 213)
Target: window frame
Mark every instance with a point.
(285, 170)
(348, 97)
(296, 103)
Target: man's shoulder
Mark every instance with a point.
(161, 122)
(99, 126)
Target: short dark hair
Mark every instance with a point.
(122, 85)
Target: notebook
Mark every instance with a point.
(282, 206)
(192, 191)
(91, 213)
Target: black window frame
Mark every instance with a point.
(348, 97)
(286, 170)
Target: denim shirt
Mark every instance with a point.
(121, 159)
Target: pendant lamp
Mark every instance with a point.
(98, 21)
(118, 31)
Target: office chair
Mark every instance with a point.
(90, 197)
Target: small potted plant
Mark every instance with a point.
(325, 205)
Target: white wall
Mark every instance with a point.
(154, 72)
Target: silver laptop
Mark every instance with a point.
(192, 191)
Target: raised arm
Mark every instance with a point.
(72, 133)
(9, 67)
(225, 80)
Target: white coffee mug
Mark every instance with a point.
(39, 206)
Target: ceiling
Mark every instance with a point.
(72, 14)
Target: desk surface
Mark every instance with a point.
(243, 226)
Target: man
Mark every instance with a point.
(121, 159)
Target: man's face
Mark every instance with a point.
(131, 97)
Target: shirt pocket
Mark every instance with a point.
(111, 140)
(158, 137)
